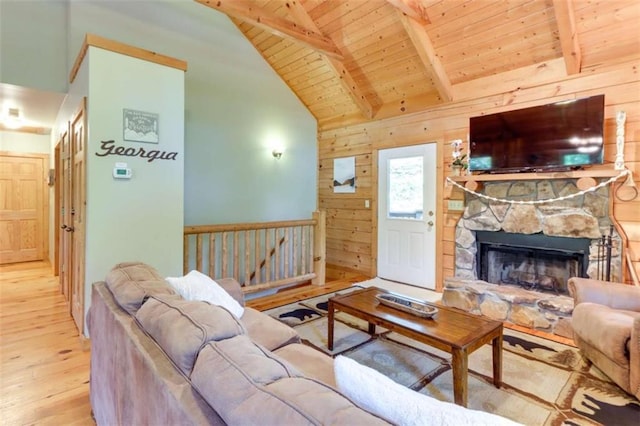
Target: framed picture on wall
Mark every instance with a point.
(344, 175)
(140, 126)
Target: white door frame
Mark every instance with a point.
(427, 228)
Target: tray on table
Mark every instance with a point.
(407, 304)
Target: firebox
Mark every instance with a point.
(535, 262)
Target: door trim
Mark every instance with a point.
(439, 208)
(56, 209)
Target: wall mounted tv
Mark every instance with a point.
(561, 136)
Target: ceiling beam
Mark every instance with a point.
(568, 33)
(413, 9)
(301, 16)
(247, 11)
(427, 53)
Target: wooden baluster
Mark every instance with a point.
(199, 252)
(212, 255)
(295, 250)
(185, 251)
(256, 271)
(247, 258)
(287, 251)
(267, 255)
(225, 255)
(303, 250)
(278, 269)
(311, 248)
(236, 263)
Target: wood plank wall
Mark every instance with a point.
(351, 227)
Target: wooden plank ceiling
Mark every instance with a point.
(351, 61)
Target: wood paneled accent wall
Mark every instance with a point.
(351, 227)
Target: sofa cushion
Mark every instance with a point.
(267, 331)
(398, 404)
(182, 327)
(309, 361)
(604, 328)
(261, 388)
(198, 286)
(131, 283)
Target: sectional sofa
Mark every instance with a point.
(157, 358)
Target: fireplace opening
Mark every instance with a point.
(534, 262)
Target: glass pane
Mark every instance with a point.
(406, 182)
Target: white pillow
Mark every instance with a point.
(198, 286)
(398, 404)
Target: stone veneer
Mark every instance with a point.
(584, 216)
(541, 311)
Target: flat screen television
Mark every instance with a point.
(561, 136)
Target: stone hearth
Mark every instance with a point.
(541, 311)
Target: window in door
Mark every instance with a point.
(406, 188)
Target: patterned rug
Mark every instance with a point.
(544, 382)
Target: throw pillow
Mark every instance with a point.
(198, 286)
(400, 405)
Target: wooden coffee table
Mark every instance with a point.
(450, 330)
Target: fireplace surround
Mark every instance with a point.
(584, 217)
(518, 232)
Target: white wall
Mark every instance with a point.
(139, 218)
(236, 108)
(33, 44)
(24, 142)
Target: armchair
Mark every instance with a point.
(606, 328)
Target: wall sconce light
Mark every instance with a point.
(277, 153)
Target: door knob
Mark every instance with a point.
(69, 229)
(63, 226)
(430, 223)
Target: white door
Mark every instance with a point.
(406, 214)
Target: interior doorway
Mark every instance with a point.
(407, 214)
(24, 200)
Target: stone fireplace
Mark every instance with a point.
(513, 259)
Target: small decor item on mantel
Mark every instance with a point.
(459, 165)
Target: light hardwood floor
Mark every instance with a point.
(44, 371)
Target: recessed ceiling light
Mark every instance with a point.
(13, 118)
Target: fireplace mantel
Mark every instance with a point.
(576, 174)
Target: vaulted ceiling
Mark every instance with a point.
(351, 61)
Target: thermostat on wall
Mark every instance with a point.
(121, 171)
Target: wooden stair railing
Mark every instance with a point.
(263, 262)
(260, 256)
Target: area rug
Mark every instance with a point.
(544, 382)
